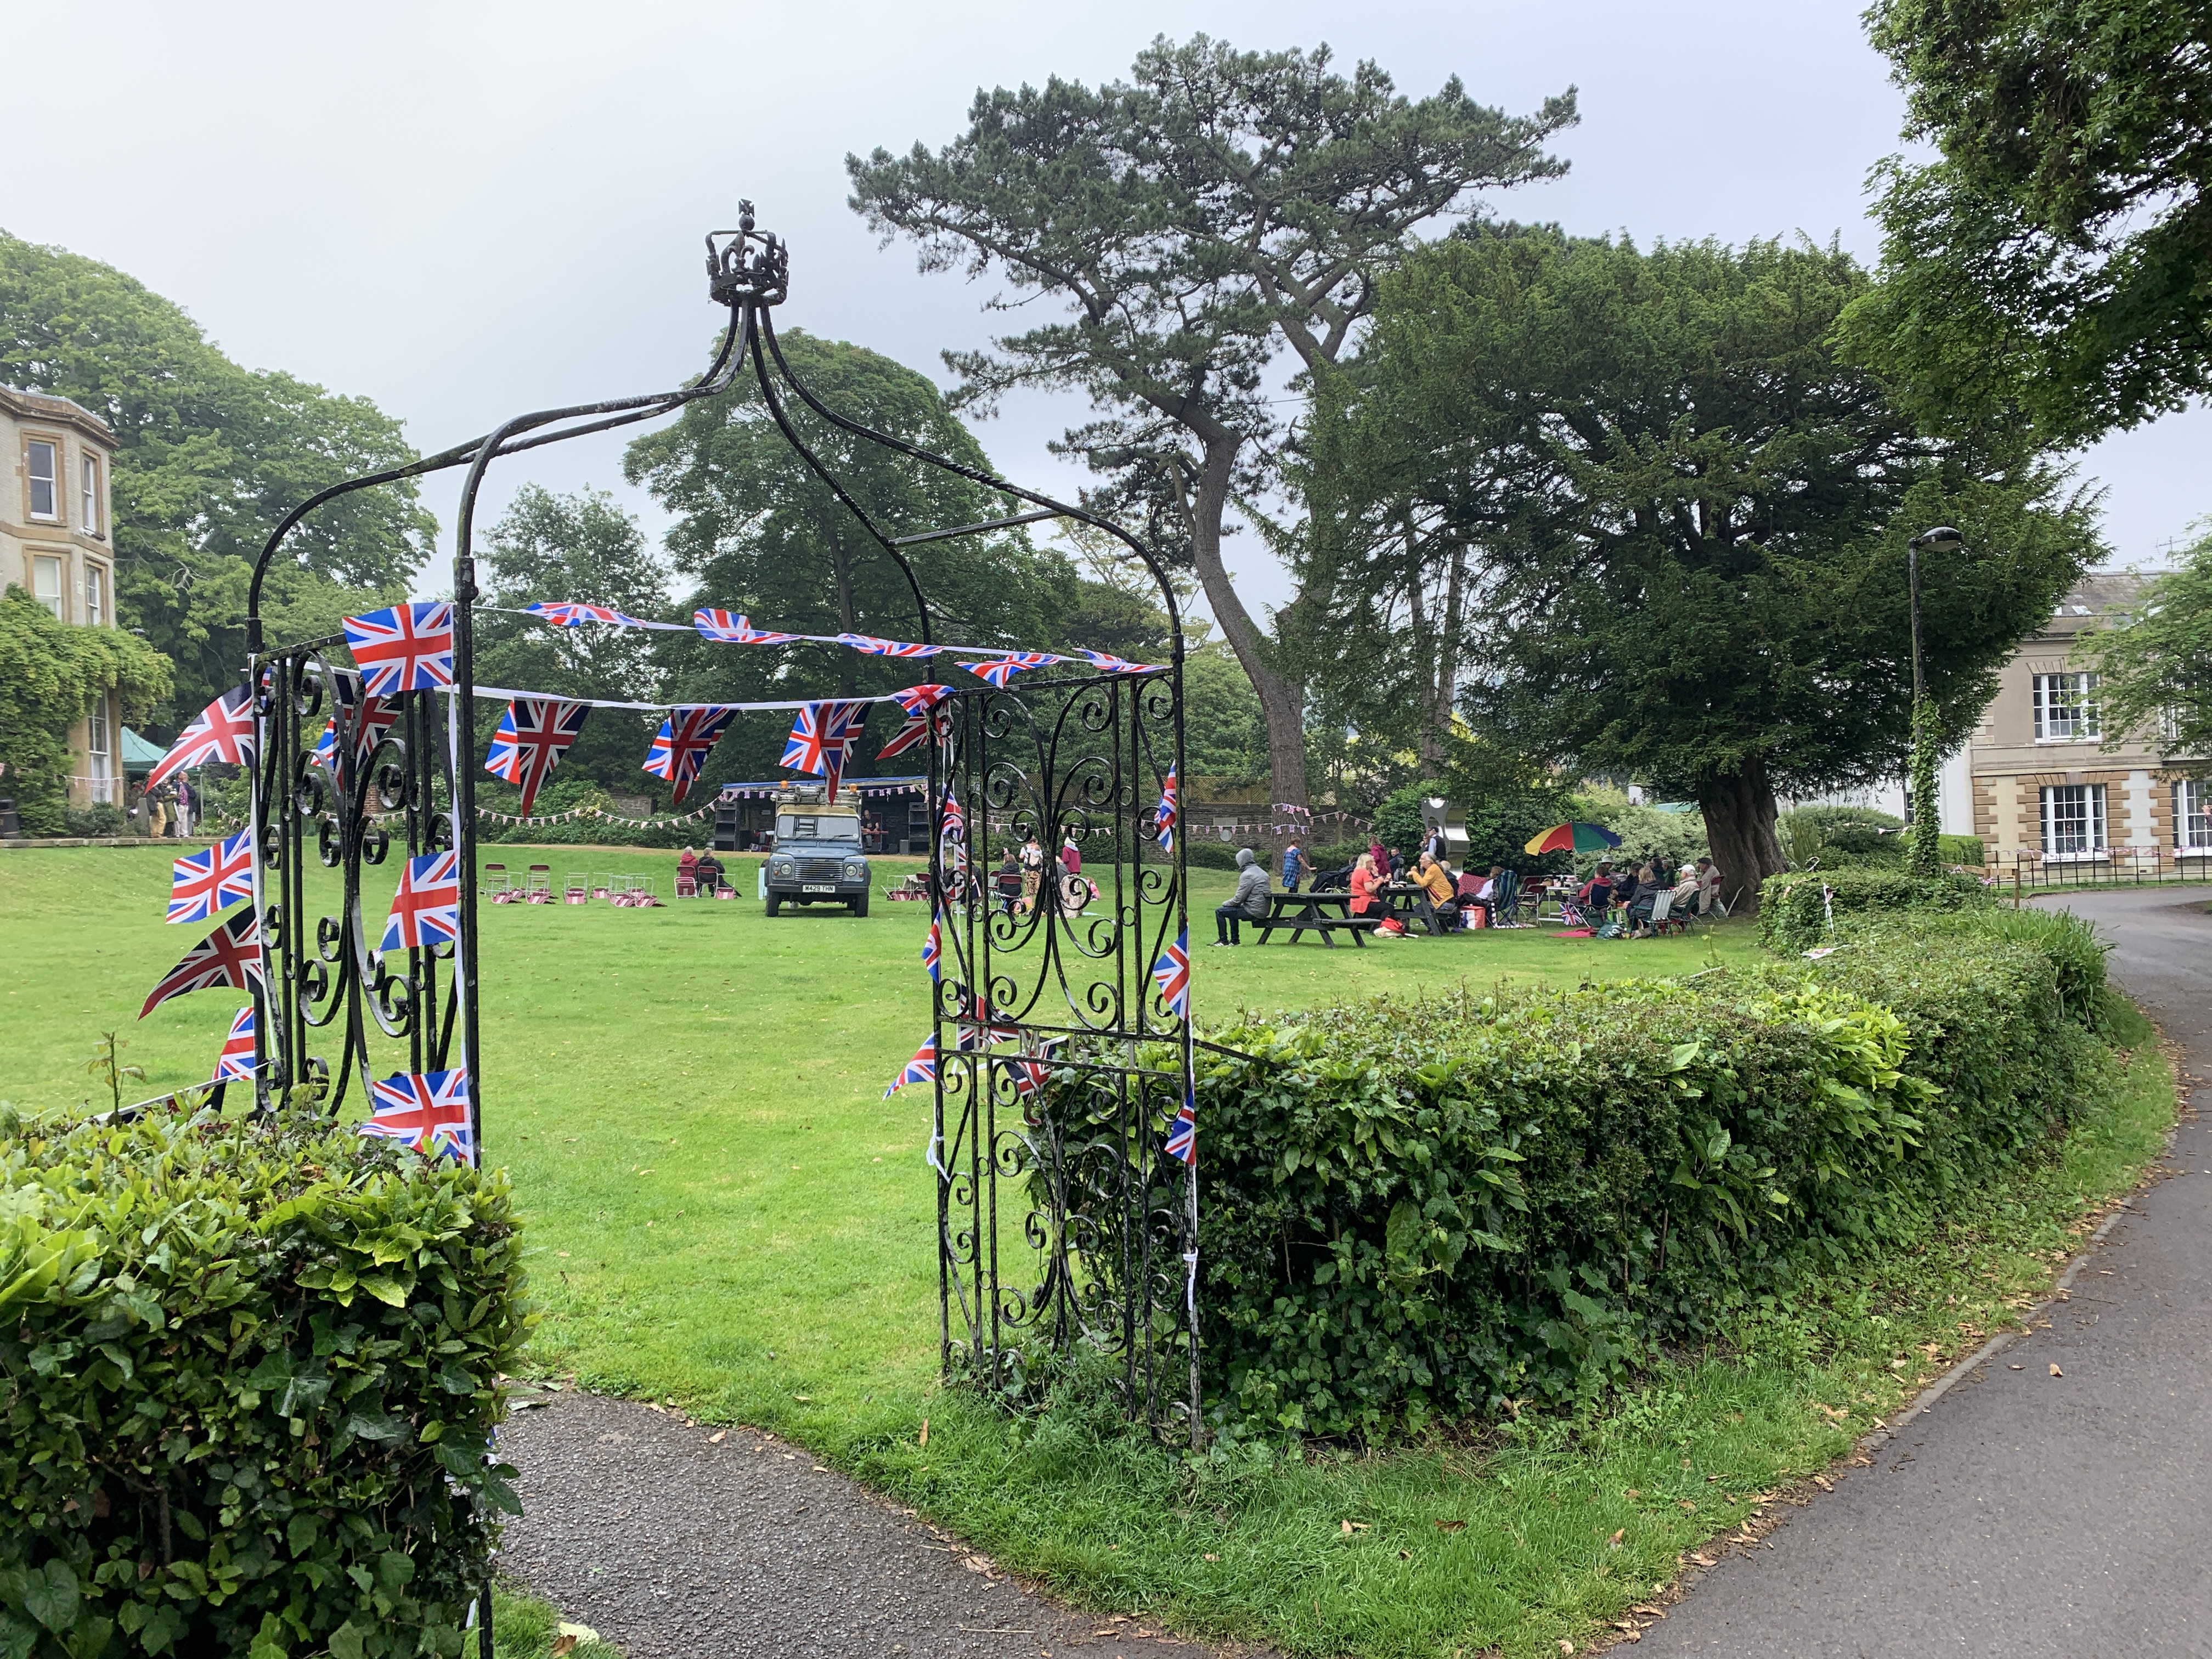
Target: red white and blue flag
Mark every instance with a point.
(912, 732)
(922, 1068)
(1182, 1133)
(683, 744)
(876, 647)
(223, 731)
(1171, 973)
(533, 736)
(1107, 663)
(368, 717)
(428, 1111)
(1164, 816)
(932, 949)
(920, 699)
(954, 825)
(408, 648)
(1000, 670)
(823, 738)
(202, 884)
(725, 628)
(229, 955)
(1030, 1075)
(568, 613)
(977, 1030)
(234, 1062)
(427, 908)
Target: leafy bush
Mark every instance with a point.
(1960, 849)
(1210, 855)
(101, 818)
(1645, 832)
(1859, 844)
(1793, 907)
(1425, 1210)
(251, 1382)
(1398, 823)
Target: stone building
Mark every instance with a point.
(2045, 779)
(55, 544)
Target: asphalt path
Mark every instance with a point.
(2028, 1514)
(675, 1539)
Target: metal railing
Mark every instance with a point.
(2117, 867)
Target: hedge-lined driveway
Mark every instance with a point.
(2029, 1513)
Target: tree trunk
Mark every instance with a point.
(1282, 700)
(1740, 830)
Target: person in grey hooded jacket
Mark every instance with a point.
(1249, 903)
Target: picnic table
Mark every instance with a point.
(1304, 913)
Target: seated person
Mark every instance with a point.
(1596, 894)
(1643, 899)
(709, 872)
(1008, 881)
(687, 868)
(1480, 893)
(1249, 902)
(1435, 900)
(1365, 880)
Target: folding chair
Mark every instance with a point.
(576, 887)
(687, 887)
(541, 877)
(491, 880)
(1505, 900)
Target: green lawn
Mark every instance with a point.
(727, 1215)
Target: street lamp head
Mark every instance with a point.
(1941, 539)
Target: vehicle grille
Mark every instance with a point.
(819, 869)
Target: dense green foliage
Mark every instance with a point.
(1430, 1209)
(2055, 258)
(210, 458)
(251, 1375)
(1195, 220)
(1794, 916)
(1686, 520)
(50, 672)
(2156, 667)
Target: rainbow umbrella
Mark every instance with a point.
(1573, 838)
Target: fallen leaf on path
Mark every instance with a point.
(717, 1439)
(563, 1645)
(1824, 1483)
(1615, 1539)
(1703, 1560)
(2055, 1371)
(1565, 1646)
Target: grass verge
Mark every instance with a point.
(524, 1627)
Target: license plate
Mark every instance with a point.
(831, 888)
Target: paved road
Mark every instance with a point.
(2026, 1514)
(676, 1542)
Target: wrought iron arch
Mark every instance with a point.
(1064, 1227)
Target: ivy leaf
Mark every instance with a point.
(50, 1596)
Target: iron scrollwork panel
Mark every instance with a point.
(345, 784)
(1063, 1224)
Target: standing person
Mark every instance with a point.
(1438, 845)
(1247, 903)
(1294, 867)
(1070, 858)
(1032, 871)
(1375, 851)
(157, 814)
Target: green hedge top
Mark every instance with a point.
(252, 1375)
(1421, 1210)
(1793, 907)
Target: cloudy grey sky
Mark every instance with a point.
(465, 209)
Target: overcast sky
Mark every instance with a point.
(463, 210)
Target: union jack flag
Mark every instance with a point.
(234, 1062)
(922, 1068)
(977, 1030)
(932, 949)
(231, 956)
(533, 736)
(876, 647)
(1000, 670)
(823, 738)
(370, 719)
(723, 629)
(223, 731)
(427, 908)
(1031, 1075)
(568, 613)
(1182, 1133)
(428, 1111)
(1107, 663)
(682, 746)
(920, 699)
(953, 826)
(1171, 973)
(1164, 816)
(202, 883)
(408, 648)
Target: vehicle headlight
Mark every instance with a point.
(856, 873)
(781, 867)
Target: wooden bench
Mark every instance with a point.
(1302, 912)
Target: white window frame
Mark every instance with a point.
(2073, 695)
(89, 496)
(2192, 818)
(52, 479)
(57, 601)
(95, 594)
(2092, 821)
(100, 751)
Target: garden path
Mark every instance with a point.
(2030, 1513)
(680, 1542)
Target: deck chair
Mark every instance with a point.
(1505, 900)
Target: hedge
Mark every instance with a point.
(252, 1375)
(1793, 907)
(1430, 1210)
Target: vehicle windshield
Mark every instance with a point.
(816, 826)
